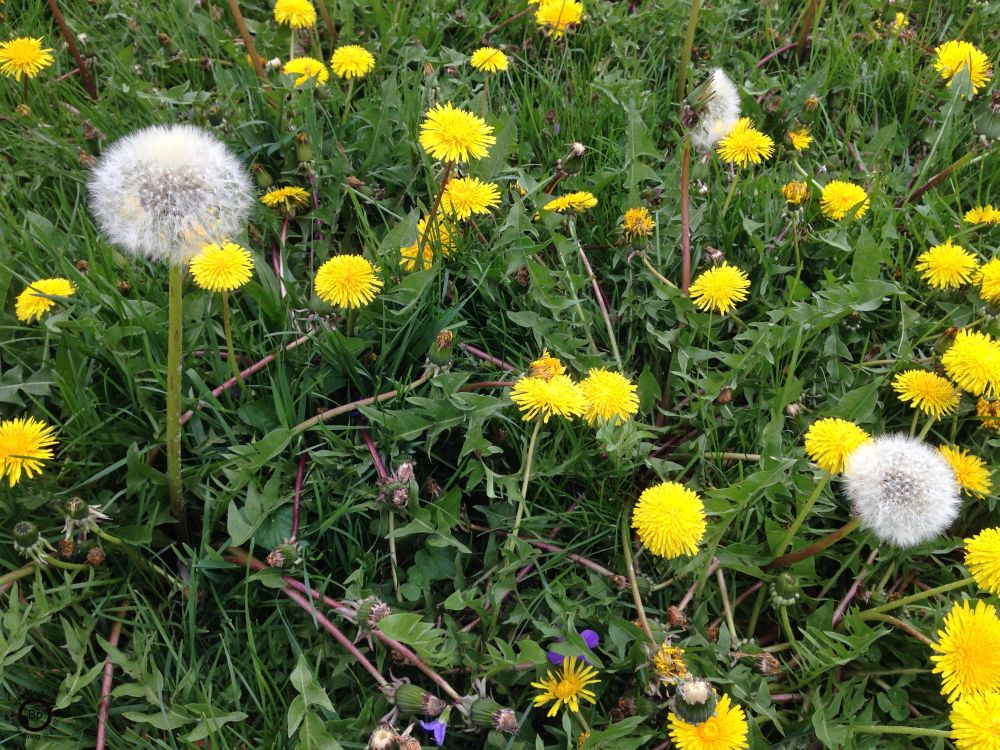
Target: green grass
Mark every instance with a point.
(226, 657)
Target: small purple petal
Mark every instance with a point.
(591, 638)
(555, 658)
(437, 728)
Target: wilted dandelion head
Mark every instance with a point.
(726, 730)
(34, 301)
(465, 196)
(669, 519)
(744, 144)
(954, 55)
(352, 61)
(988, 280)
(982, 558)
(222, 268)
(973, 363)
(829, 441)
(307, 68)
(975, 722)
(795, 192)
(638, 222)
(165, 191)
(546, 367)
(347, 281)
(947, 266)
(971, 472)
(489, 60)
(611, 397)
(556, 16)
(557, 396)
(24, 445)
(927, 391)
(571, 202)
(668, 663)
(841, 197)
(437, 241)
(298, 14)
(720, 288)
(716, 107)
(902, 489)
(451, 134)
(989, 413)
(968, 651)
(23, 56)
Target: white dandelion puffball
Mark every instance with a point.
(164, 192)
(902, 489)
(722, 110)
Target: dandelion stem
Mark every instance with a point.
(911, 731)
(228, 330)
(692, 24)
(786, 626)
(656, 274)
(729, 194)
(349, 407)
(81, 64)
(801, 517)
(576, 298)
(726, 608)
(347, 101)
(327, 21)
(510, 20)
(105, 703)
(422, 239)
(966, 158)
(913, 422)
(937, 141)
(904, 626)
(521, 501)
(919, 596)
(630, 570)
(815, 548)
(23, 572)
(56, 563)
(300, 475)
(605, 313)
(926, 429)
(173, 416)
(486, 88)
(685, 211)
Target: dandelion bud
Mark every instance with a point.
(262, 177)
(23, 110)
(786, 590)
(812, 103)
(768, 665)
(76, 509)
(415, 700)
(714, 255)
(285, 556)
(303, 151)
(273, 64)
(25, 535)
(695, 700)
(620, 582)
(371, 610)
(712, 633)
(214, 115)
(711, 110)
(383, 738)
(676, 617)
(491, 715)
(85, 160)
(404, 472)
(572, 163)
(95, 556)
(795, 193)
(442, 348)
(123, 286)
(82, 266)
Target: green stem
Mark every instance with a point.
(576, 300)
(926, 429)
(919, 596)
(726, 608)
(729, 194)
(605, 313)
(392, 555)
(173, 416)
(692, 24)
(937, 140)
(659, 277)
(23, 572)
(336, 411)
(347, 101)
(486, 88)
(630, 569)
(137, 558)
(913, 422)
(686, 214)
(352, 317)
(904, 626)
(801, 517)
(911, 731)
(512, 539)
(430, 227)
(64, 565)
(787, 627)
(228, 329)
(758, 603)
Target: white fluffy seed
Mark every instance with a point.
(721, 112)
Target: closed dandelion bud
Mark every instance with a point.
(25, 534)
(23, 110)
(383, 738)
(123, 286)
(214, 115)
(442, 348)
(415, 700)
(303, 151)
(404, 472)
(786, 590)
(812, 103)
(82, 266)
(286, 555)
(95, 556)
(643, 706)
(262, 176)
(371, 610)
(85, 160)
(76, 509)
(572, 163)
(487, 713)
(712, 633)
(694, 700)
(768, 665)
(620, 582)
(676, 617)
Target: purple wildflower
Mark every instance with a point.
(437, 728)
(590, 637)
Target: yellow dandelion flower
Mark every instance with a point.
(975, 722)
(968, 651)
(24, 445)
(668, 663)
(800, 139)
(841, 197)
(900, 22)
(347, 281)
(451, 134)
(222, 269)
(720, 288)
(955, 55)
(927, 391)
(982, 215)
(973, 363)
(489, 60)
(286, 200)
(745, 144)
(437, 242)
(988, 280)
(971, 471)
(638, 222)
(726, 730)
(947, 266)
(829, 441)
(982, 558)
(298, 14)
(611, 397)
(555, 17)
(990, 413)
(307, 68)
(351, 61)
(579, 201)
(567, 686)
(669, 519)
(24, 56)
(557, 396)
(582, 739)
(34, 301)
(546, 367)
(795, 192)
(465, 196)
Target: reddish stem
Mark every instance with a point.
(739, 600)
(841, 610)
(376, 458)
(486, 384)
(690, 592)
(296, 504)
(81, 64)
(105, 704)
(771, 55)
(480, 354)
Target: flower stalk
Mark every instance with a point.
(230, 351)
(174, 352)
(630, 570)
(522, 500)
(803, 513)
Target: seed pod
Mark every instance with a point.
(25, 534)
(768, 665)
(572, 163)
(285, 556)
(76, 509)
(695, 700)
(487, 713)
(415, 700)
